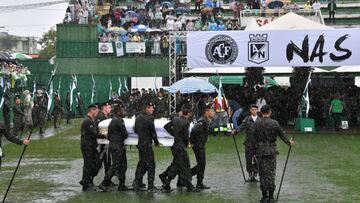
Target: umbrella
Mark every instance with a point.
(20, 56)
(192, 85)
(168, 4)
(5, 57)
(239, 80)
(141, 28)
(182, 10)
(119, 30)
(275, 4)
(133, 13)
(156, 30)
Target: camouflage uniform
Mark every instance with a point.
(266, 131)
(40, 111)
(160, 107)
(57, 111)
(251, 163)
(18, 111)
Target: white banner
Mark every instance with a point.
(119, 49)
(106, 48)
(135, 47)
(333, 47)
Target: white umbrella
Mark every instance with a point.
(192, 85)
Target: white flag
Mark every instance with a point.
(219, 97)
(110, 89)
(120, 87)
(93, 89)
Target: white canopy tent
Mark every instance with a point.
(293, 21)
(347, 69)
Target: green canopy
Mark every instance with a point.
(239, 80)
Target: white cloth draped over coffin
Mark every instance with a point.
(163, 136)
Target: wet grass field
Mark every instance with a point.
(323, 167)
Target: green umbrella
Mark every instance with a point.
(20, 56)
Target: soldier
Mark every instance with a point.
(131, 108)
(160, 106)
(6, 110)
(179, 128)
(79, 104)
(89, 135)
(145, 128)
(28, 105)
(68, 107)
(57, 111)
(41, 110)
(117, 134)
(18, 111)
(266, 131)
(198, 138)
(105, 156)
(11, 138)
(248, 125)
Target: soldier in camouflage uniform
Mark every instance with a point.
(248, 125)
(91, 156)
(160, 106)
(18, 111)
(266, 131)
(57, 111)
(40, 112)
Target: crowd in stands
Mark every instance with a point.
(14, 72)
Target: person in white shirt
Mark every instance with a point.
(316, 6)
(178, 25)
(170, 24)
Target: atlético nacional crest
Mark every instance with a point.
(221, 49)
(258, 48)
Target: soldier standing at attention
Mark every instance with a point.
(105, 156)
(145, 128)
(117, 134)
(250, 153)
(179, 128)
(57, 111)
(266, 131)
(198, 138)
(68, 108)
(160, 106)
(41, 110)
(18, 111)
(89, 134)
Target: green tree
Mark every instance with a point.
(47, 43)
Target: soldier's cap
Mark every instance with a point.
(98, 104)
(16, 97)
(265, 109)
(91, 106)
(208, 107)
(253, 106)
(107, 103)
(148, 104)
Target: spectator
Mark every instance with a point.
(136, 37)
(198, 24)
(229, 24)
(158, 18)
(332, 10)
(165, 45)
(177, 25)
(316, 5)
(170, 24)
(198, 4)
(336, 110)
(189, 25)
(213, 26)
(221, 26)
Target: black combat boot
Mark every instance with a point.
(202, 187)
(165, 181)
(104, 187)
(265, 197)
(136, 186)
(122, 186)
(191, 188)
(271, 196)
(152, 188)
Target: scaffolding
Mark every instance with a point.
(175, 37)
